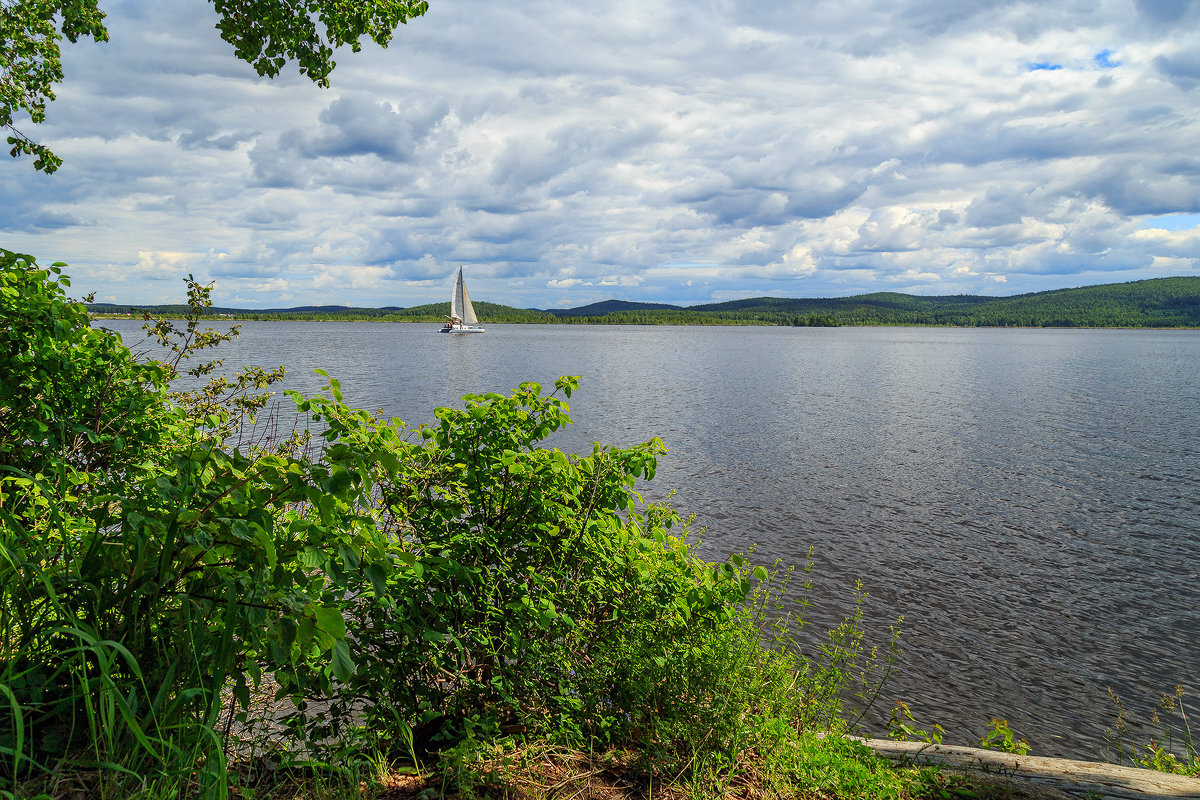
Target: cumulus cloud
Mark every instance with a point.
(1182, 69)
(653, 151)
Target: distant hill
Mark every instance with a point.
(177, 308)
(1157, 302)
(885, 300)
(430, 312)
(610, 307)
(1153, 303)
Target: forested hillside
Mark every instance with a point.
(605, 307)
(1159, 302)
(430, 312)
(1155, 303)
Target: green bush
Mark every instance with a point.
(398, 589)
(143, 566)
(534, 591)
(72, 398)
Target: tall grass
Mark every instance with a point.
(79, 704)
(1175, 750)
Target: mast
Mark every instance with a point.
(456, 297)
(468, 310)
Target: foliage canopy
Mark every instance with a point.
(267, 34)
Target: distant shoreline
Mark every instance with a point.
(1156, 303)
(600, 322)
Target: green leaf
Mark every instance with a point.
(343, 666)
(378, 577)
(405, 557)
(330, 621)
(312, 557)
(306, 629)
(240, 529)
(263, 537)
(287, 631)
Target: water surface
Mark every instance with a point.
(1028, 500)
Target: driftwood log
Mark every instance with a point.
(1088, 779)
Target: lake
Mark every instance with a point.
(1028, 500)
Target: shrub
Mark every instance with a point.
(400, 588)
(143, 566)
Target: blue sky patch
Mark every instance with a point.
(1034, 67)
(1172, 222)
(1103, 60)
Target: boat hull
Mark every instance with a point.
(463, 329)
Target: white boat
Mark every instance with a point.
(462, 317)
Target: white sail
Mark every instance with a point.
(468, 310)
(456, 295)
(460, 302)
(462, 313)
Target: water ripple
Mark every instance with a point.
(1028, 500)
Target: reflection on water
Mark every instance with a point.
(1028, 500)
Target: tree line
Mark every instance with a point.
(1154, 303)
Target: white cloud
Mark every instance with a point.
(277, 286)
(157, 261)
(350, 277)
(798, 261)
(656, 152)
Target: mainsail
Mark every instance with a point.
(460, 302)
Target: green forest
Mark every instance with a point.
(1153, 303)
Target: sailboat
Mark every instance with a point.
(462, 317)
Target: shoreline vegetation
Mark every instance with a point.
(1152, 303)
(366, 610)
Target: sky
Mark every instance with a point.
(678, 151)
